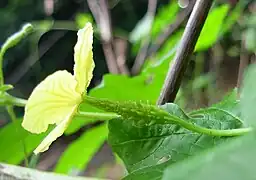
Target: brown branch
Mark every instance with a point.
(172, 28)
(101, 14)
(120, 46)
(142, 54)
(184, 51)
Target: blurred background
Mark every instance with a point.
(134, 41)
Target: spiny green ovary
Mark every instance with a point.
(142, 114)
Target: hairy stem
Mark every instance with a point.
(151, 114)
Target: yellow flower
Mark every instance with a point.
(56, 99)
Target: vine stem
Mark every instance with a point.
(11, 42)
(211, 132)
(11, 100)
(139, 111)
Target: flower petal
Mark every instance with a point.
(84, 63)
(55, 133)
(51, 102)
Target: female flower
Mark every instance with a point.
(56, 99)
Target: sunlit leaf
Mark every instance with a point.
(80, 152)
(212, 27)
(15, 141)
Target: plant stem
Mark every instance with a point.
(18, 102)
(13, 101)
(211, 132)
(33, 161)
(10, 42)
(98, 115)
(184, 51)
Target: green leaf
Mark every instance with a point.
(212, 27)
(164, 143)
(227, 111)
(78, 122)
(13, 139)
(166, 15)
(248, 96)
(80, 152)
(233, 160)
(148, 173)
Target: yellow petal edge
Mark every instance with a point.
(56, 99)
(84, 64)
(55, 133)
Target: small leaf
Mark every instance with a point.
(80, 152)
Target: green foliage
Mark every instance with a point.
(153, 25)
(232, 18)
(167, 144)
(80, 152)
(16, 142)
(212, 27)
(155, 142)
(166, 16)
